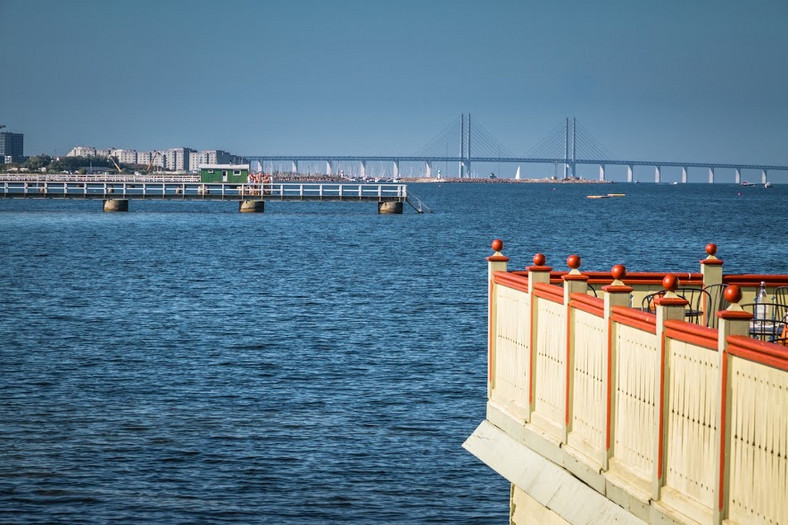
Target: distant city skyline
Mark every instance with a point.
(699, 81)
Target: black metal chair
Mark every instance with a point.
(696, 298)
(768, 321)
(781, 295)
(716, 303)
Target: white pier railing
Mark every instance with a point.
(201, 191)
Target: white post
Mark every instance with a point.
(497, 262)
(574, 282)
(615, 294)
(668, 307)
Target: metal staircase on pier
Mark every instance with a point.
(417, 204)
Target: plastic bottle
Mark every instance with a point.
(762, 303)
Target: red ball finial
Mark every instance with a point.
(618, 271)
(670, 282)
(733, 293)
(573, 261)
(711, 249)
(539, 259)
(497, 245)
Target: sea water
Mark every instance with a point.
(319, 363)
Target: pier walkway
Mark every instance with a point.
(390, 197)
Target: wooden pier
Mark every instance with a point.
(116, 194)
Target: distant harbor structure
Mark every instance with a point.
(220, 182)
(632, 397)
(564, 150)
(569, 152)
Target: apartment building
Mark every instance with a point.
(12, 147)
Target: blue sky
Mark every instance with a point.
(669, 80)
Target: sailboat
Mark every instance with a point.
(517, 175)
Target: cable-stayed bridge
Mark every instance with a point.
(466, 143)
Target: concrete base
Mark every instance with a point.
(390, 207)
(116, 205)
(252, 207)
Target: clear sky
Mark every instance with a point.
(680, 80)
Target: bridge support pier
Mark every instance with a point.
(251, 206)
(116, 205)
(390, 208)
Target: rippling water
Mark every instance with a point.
(184, 363)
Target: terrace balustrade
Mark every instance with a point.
(670, 420)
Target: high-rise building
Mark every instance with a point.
(125, 156)
(177, 159)
(12, 147)
(213, 156)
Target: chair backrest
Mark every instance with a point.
(768, 324)
(774, 311)
(781, 295)
(698, 300)
(717, 302)
(647, 304)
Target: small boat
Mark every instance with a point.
(767, 184)
(616, 194)
(597, 197)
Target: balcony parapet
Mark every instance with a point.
(661, 418)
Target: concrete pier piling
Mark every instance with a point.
(252, 206)
(116, 205)
(389, 207)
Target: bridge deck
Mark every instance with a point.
(203, 191)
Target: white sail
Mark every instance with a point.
(517, 175)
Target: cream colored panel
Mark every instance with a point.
(589, 396)
(637, 377)
(512, 361)
(550, 380)
(759, 443)
(691, 450)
